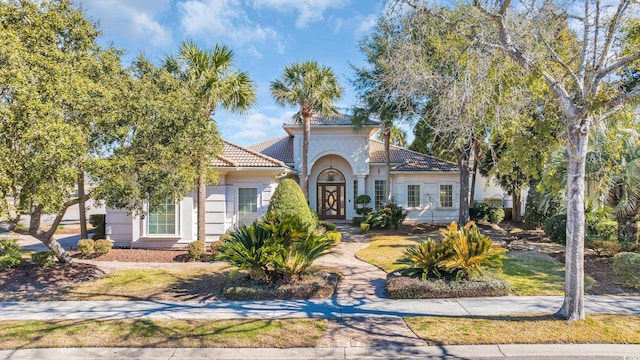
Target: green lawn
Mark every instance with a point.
(161, 333)
(526, 329)
(528, 272)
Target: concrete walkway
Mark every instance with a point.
(363, 323)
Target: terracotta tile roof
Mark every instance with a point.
(338, 120)
(406, 160)
(237, 156)
(280, 148)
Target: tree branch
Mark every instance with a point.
(585, 46)
(56, 222)
(611, 32)
(617, 65)
(615, 104)
(555, 57)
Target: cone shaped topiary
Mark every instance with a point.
(288, 199)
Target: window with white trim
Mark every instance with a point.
(413, 196)
(247, 205)
(446, 196)
(355, 193)
(380, 193)
(162, 220)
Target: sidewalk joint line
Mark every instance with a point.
(500, 349)
(462, 306)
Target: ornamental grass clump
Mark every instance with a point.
(463, 254)
(279, 247)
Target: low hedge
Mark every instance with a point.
(404, 287)
(315, 283)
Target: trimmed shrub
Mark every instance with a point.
(217, 247)
(98, 223)
(402, 287)
(626, 265)
(555, 228)
(479, 212)
(86, 247)
(288, 199)
(495, 215)
(334, 236)
(361, 205)
(329, 226)
(605, 248)
(364, 227)
(357, 220)
(102, 247)
(9, 254)
(44, 258)
(196, 250)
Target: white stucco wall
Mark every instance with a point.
(430, 209)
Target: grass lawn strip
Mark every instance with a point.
(152, 284)
(248, 333)
(383, 251)
(526, 329)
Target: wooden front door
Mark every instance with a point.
(331, 201)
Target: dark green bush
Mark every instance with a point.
(495, 215)
(357, 220)
(479, 212)
(196, 250)
(555, 228)
(86, 247)
(540, 206)
(102, 247)
(44, 258)
(288, 199)
(277, 248)
(98, 223)
(9, 254)
(391, 216)
(626, 265)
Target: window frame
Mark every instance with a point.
(176, 221)
(419, 196)
(239, 221)
(441, 203)
(376, 204)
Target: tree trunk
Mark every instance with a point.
(387, 159)
(463, 165)
(627, 228)
(82, 211)
(516, 199)
(202, 201)
(46, 237)
(304, 179)
(474, 173)
(573, 306)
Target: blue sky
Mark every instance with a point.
(265, 35)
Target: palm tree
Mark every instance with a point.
(210, 76)
(314, 89)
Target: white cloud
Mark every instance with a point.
(222, 19)
(366, 24)
(359, 24)
(309, 11)
(132, 20)
(254, 127)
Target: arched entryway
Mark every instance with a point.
(331, 193)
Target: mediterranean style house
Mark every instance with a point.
(344, 162)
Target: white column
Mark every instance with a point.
(361, 181)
